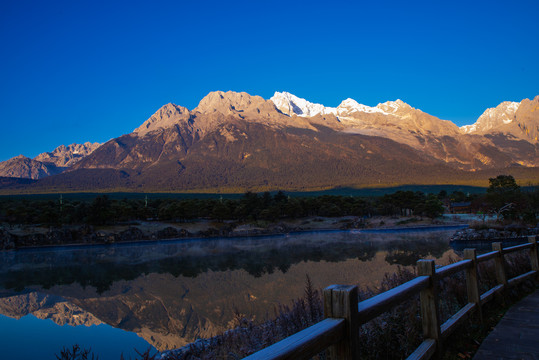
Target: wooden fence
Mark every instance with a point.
(339, 332)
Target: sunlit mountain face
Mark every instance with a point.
(236, 142)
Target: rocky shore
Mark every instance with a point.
(14, 237)
(83, 235)
(19, 236)
(66, 236)
(491, 234)
(86, 234)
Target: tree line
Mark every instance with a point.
(503, 198)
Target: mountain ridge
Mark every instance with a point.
(47, 163)
(239, 141)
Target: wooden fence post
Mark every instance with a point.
(472, 282)
(499, 263)
(534, 258)
(340, 301)
(430, 316)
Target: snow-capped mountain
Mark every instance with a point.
(394, 107)
(290, 104)
(235, 141)
(395, 120)
(492, 118)
(401, 122)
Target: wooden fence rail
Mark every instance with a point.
(339, 332)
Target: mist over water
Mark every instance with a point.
(171, 293)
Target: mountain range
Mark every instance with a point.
(235, 142)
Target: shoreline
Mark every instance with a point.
(276, 230)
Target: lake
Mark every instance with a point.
(164, 295)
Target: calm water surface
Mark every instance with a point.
(166, 294)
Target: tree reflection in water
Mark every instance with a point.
(172, 292)
(101, 266)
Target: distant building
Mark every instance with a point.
(460, 207)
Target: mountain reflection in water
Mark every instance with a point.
(171, 293)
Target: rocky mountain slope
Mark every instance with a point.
(441, 139)
(47, 163)
(515, 120)
(492, 118)
(234, 141)
(23, 167)
(65, 156)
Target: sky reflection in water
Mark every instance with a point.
(171, 293)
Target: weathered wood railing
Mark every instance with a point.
(344, 315)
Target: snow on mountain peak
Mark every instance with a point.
(393, 106)
(504, 113)
(349, 103)
(349, 106)
(290, 104)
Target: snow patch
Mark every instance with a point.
(504, 113)
(467, 129)
(349, 106)
(290, 104)
(392, 107)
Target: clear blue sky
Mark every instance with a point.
(76, 71)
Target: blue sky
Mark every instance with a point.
(76, 71)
